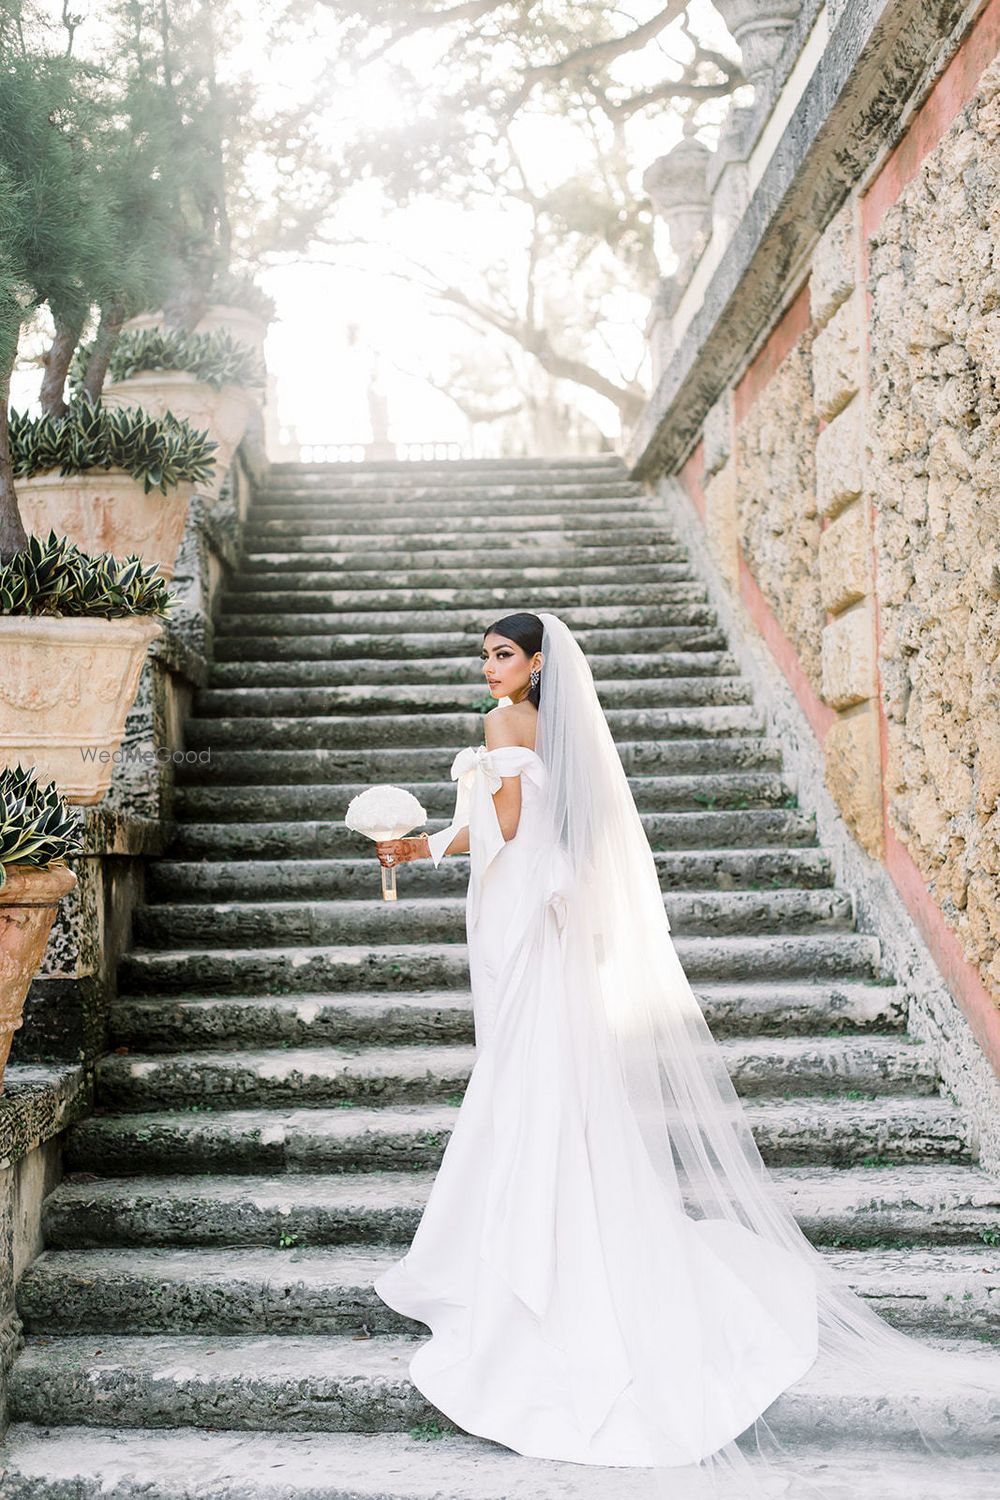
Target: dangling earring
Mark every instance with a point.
(535, 674)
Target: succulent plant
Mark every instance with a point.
(161, 451)
(53, 577)
(36, 826)
(216, 357)
(236, 289)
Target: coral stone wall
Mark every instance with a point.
(848, 484)
(934, 475)
(778, 525)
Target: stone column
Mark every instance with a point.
(678, 186)
(852, 747)
(760, 29)
(727, 173)
(660, 325)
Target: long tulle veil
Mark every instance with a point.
(633, 995)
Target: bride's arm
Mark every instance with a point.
(500, 732)
(416, 847)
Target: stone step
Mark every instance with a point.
(572, 525)
(374, 471)
(338, 731)
(568, 573)
(639, 670)
(292, 969)
(570, 487)
(318, 840)
(448, 622)
(86, 1223)
(310, 801)
(723, 756)
(442, 919)
(942, 1290)
(261, 1078)
(567, 482)
(524, 560)
(253, 1380)
(170, 1023)
(344, 645)
(357, 541)
(546, 504)
(386, 595)
(715, 759)
(145, 1463)
(283, 879)
(366, 698)
(891, 1130)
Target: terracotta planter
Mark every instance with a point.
(224, 412)
(28, 902)
(106, 510)
(65, 691)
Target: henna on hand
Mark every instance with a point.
(402, 851)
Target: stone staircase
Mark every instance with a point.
(290, 1051)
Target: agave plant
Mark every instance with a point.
(216, 357)
(53, 577)
(235, 290)
(36, 826)
(160, 451)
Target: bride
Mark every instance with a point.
(609, 1273)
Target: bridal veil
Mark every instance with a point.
(633, 1001)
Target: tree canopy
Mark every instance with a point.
(536, 105)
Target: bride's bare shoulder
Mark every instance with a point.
(511, 724)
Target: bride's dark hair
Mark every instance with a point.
(525, 630)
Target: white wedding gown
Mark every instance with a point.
(576, 1312)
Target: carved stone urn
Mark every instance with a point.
(29, 899)
(760, 29)
(106, 510)
(677, 184)
(65, 691)
(245, 326)
(224, 412)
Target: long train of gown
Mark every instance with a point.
(575, 1312)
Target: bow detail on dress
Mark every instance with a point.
(479, 773)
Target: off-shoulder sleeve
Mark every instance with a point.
(479, 773)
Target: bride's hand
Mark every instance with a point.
(401, 851)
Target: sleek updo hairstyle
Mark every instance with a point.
(525, 630)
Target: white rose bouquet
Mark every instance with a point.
(385, 812)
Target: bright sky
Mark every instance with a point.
(335, 320)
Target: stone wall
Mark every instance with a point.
(934, 440)
(777, 520)
(827, 423)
